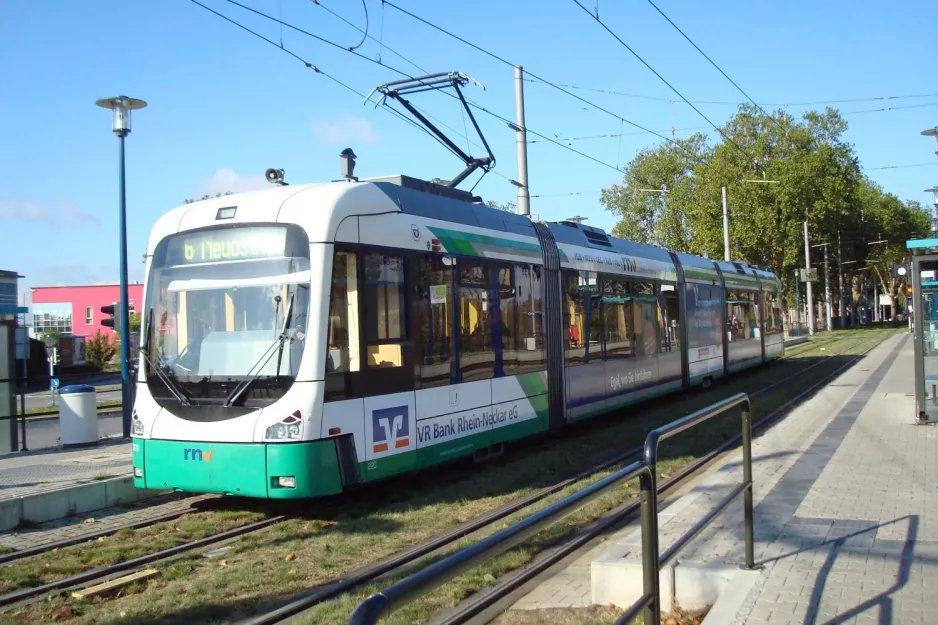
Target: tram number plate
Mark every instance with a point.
(372, 465)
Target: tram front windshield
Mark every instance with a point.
(212, 325)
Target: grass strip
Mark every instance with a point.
(262, 569)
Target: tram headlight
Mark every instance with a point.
(137, 428)
(285, 431)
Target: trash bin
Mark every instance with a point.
(78, 416)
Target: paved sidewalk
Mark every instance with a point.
(24, 473)
(846, 494)
(98, 520)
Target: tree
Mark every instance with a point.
(134, 322)
(100, 349)
(507, 206)
(896, 223)
(656, 196)
(52, 336)
(672, 195)
(208, 196)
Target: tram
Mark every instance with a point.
(304, 339)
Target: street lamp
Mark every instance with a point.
(122, 106)
(934, 219)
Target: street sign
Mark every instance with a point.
(811, 277)
(55, 383)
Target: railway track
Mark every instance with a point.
(369, 575)
(357, 580)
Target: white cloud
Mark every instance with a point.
(28, 210)
(345, 130)
(226, 179)
(73, 215)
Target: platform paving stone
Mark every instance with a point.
(846, 494)
(24, 473)
(104, 519)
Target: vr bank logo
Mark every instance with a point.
(197, 455)
(390, 427)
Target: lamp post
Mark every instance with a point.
(934, 219)
(121, 107)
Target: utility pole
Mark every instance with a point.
(807, 264)
(827, 292)
(797, 304)
(726, 229)
(521, 139)
(840, 275)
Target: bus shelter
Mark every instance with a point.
(924, 280)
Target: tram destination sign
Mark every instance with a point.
(209, 246)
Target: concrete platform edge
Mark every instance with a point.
(69, 501)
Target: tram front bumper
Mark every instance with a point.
(266, 470)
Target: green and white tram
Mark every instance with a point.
(303, 339)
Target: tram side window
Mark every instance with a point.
(644, 315)
(476, 350)
(703, 315)
(778, 324)
(343, 345)
(582, 317)
(617, 318)
(741, 319)
(669, 319)
(385, 320)
(432, 316)
(530, 306)
(508, 306)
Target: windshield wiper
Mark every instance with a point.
(286, 323)
(170, 384)
(244, 385)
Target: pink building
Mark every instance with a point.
(76, 310)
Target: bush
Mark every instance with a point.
(100, 349)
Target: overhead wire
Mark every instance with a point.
(664, 80)
(464, 135)
(902, 166)
(627, 134)
(736, 103)
(316, 69)
(891, 108)
(528, 72)
(398, 71)
(712, 62)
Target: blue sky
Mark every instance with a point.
(224, 106)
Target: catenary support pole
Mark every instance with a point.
(807, 264)
(726, 228)
(797, 305)
(841, 309)
(521, 139)
(827, 292)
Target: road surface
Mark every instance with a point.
(41, 434)
(42, 401)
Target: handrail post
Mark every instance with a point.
(747, 479)
(650, 571)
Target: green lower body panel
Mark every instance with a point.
(244, 469)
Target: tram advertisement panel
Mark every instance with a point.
(704, 322)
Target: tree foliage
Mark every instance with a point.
(208, 196)
(134, 319)
(506, 206)
(779, 171)
(100, 349)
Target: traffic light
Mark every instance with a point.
(900, 271)
(113, 320)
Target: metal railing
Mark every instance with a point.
(381, 604)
